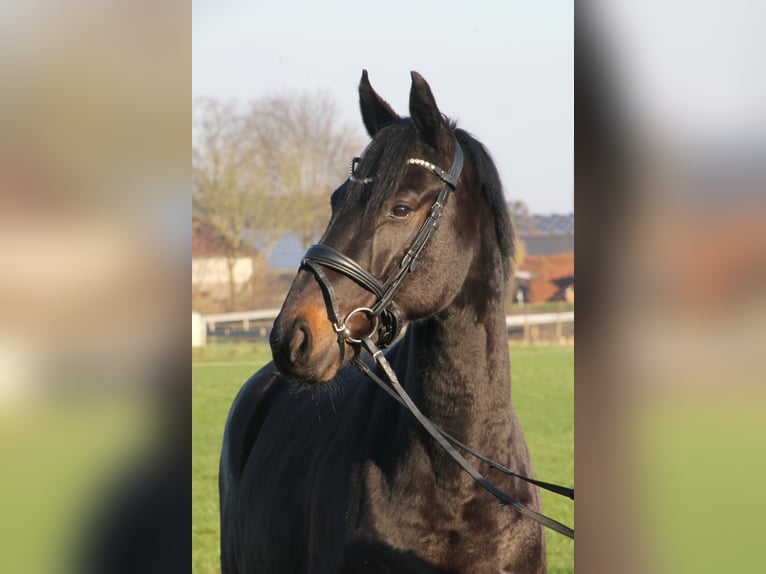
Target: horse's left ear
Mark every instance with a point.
(376, 112)
(425, 114)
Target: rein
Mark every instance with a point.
(396, 391)
(387, 321)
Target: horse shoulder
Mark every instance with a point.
(246, 417)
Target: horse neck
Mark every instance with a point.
(463, 368)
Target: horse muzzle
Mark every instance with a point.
(304, 346)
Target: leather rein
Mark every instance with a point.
(387, 322)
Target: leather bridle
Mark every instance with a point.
(386, 319)
(387, 322)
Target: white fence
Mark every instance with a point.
(208, 323)
(539, 319)
(243, 317)
(199, 330)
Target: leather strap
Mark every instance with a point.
(337, 261)
(555, 488)
(439, 436)
(338, 324)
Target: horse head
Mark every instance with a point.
(383, 230)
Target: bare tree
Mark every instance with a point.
(308, 149)
(231, 189)
(265, 170)
(519, 213)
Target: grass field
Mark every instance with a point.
(543, 394)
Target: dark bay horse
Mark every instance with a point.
(321, 471)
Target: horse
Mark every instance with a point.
(321, 472)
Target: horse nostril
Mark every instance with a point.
(300, 343)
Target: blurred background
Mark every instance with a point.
(94, 243)
(669, 182)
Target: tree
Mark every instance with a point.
(519, 213)
(267, 169)
(231, 192)
(307, 148)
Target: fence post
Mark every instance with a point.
(199, 332)
(526, 328)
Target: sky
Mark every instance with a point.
(504, 70)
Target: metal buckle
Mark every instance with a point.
(368, 312)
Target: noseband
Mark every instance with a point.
(386, 318)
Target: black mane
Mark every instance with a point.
(492, 192)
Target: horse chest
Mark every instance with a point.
(456, 526)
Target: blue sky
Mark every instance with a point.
(503, 69)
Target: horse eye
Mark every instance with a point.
(401, 211)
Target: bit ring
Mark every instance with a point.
(373, 318)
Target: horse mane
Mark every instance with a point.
(492, 192)
(387, 154)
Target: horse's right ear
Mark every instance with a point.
(376, 113)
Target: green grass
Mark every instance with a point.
(61, 455)
(697, 498)
(543, 395)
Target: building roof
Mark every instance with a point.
(553, 224)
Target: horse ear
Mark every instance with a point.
(376, 113)
(426, 117)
